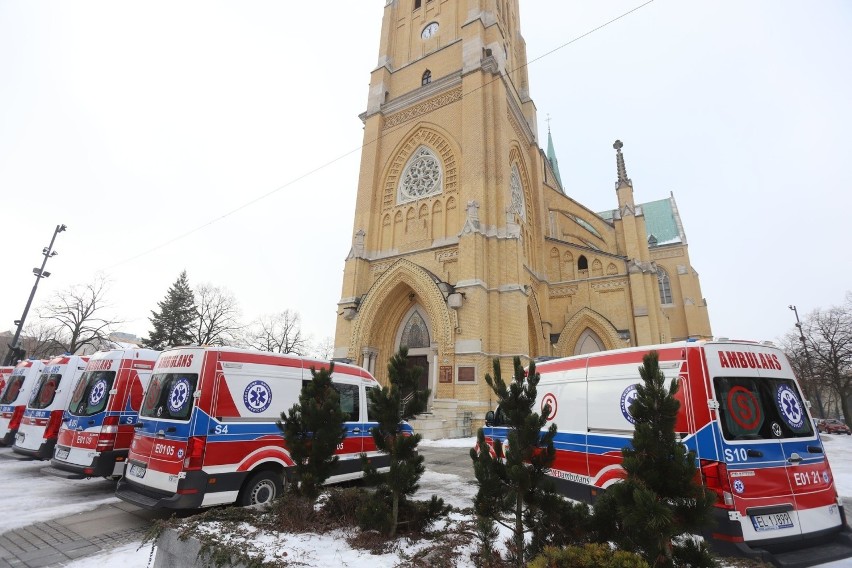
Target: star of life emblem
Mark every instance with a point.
(257, 396)
(791, 408)
(179, 395)
(98, 392)
(627, 398)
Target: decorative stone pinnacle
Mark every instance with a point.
(622, 169)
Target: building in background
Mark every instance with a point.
(466, 247)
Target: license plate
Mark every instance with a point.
(61, 454)
(19, 438)
(772, 522)
(137, 470)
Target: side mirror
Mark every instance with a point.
(489, 418)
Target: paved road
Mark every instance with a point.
(57, 542)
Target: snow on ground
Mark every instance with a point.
(33, 497)
(126, 556)
(838, 448)
(449, 443)
(451, 488)
(30, 496)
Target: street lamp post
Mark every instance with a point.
(808, 359)
(15, 352)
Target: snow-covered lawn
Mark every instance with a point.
(31, 496)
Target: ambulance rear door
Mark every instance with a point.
(162, 435)
(765, 433)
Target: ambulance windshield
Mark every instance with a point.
(754, 408)
(13, 387)
(92, 392)
(45, 391)
(170, 396)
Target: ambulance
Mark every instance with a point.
(741, 412)
(36, 436)
(5, 372)
(13, 401)
(104, 407)
(207, 432)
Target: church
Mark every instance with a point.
(466, 247)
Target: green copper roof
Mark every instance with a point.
(660, 221)
(551, 157)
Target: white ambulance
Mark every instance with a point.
(741, 412)
(48, 400)
(15, 396)
(207, 432)
(103, 410)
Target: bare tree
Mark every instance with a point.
(78, 315)
(218, 316)
(41, 339)
(323, 349)
(828, 333)
(278, 333)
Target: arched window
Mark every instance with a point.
(588, 342)
(517, 193)
(582, 263)
(665, 286)
(427, 78)
(415, 334)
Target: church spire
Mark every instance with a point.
(622, 169)
(551, 155)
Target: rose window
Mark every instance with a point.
(421, 177)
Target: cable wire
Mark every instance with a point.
(370, 142)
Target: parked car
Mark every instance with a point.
(834, 426)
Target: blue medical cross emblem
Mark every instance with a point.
(257, 396)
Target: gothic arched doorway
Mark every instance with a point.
(414, 334)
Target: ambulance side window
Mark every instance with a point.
(349, 401)
(371, 410)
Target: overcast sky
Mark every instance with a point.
(223, 138)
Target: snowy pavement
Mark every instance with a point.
(31, 497)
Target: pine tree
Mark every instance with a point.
(402, 400)
(660, 498)
(513, 481)
(174, 323)
(312, 430)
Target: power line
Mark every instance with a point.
(368, 143)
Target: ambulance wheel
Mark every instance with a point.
(261, 488)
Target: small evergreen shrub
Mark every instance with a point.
(401, 400)
(342, 504)
(556, 521)
(660, 498)
(312, 429)
(587, 556)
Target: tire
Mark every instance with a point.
(261, 488)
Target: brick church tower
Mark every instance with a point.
(465, 245)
